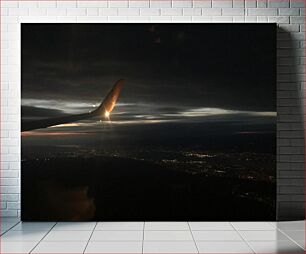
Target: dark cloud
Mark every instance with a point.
(207, 65)
(37, 112)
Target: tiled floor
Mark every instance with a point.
(152, 237)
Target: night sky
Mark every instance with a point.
(180, 78)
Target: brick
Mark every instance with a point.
(139, 4)
(202, 18)
(233, 12)
(182, 3)
(4, 11)
(128, 12)
(262, 3)
(13, 205)
(47, 4)
(289, 28)
(297, 3)
(291, 134)
(66, 4)
(211, 11)
(108, 12)
(9, 173)
(262, 19)
(297, 20)
(92, 11)
(9, 4)
(289, 11)
(278, 3)
(18, 12)
(9, 213)
(222, 19)
(291, 189)
(202, 3)
(28, 4)
(291, 150)
(192, 11)
(139, 19)
(150, 12)
(160, 4)
(222, 3)
(15, 165)
(160, 19)
(250, 3)
(118, 4)
(57, 12)
(290, 182)
(262, 12)
(69, 19)
(291, 174)
(76, 12)
(7, 19)
(181, 18)
(291, 198)
(171, 11)
(3, 205)
(238, 3)
(92, 4)
(297, 142)
(38, 11)
(8, 181)
(118, 19)
(238, 19)
(9, 197)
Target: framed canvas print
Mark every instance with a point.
(133, 122)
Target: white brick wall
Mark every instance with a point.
(289, 14)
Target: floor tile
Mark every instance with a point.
(253, 226)
(114, 247)
(166, 225)
(258, 235)
(17, 247)
(5, 226)
(169, 247)
(116, 236)
(167, 236)
(60, 247)
(23, 236)
(223, 247)
(297, 235)
(119, 226)
(63, 226)
(276, 247)
(200, 225)
(291, 225)
(216, 236)
(69, 236)
(33, 226)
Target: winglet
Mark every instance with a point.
(109, 102)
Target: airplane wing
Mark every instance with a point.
(103, 110)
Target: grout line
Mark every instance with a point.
(247, 243)
(10, 228)
(42, 238)
(143, 232)
(90, 237)
(291, 238)
(193, 237)
(273, 225)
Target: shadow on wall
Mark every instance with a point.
(290, 129)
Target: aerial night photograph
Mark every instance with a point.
(161, 121)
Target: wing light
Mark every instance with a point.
(106, 114)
